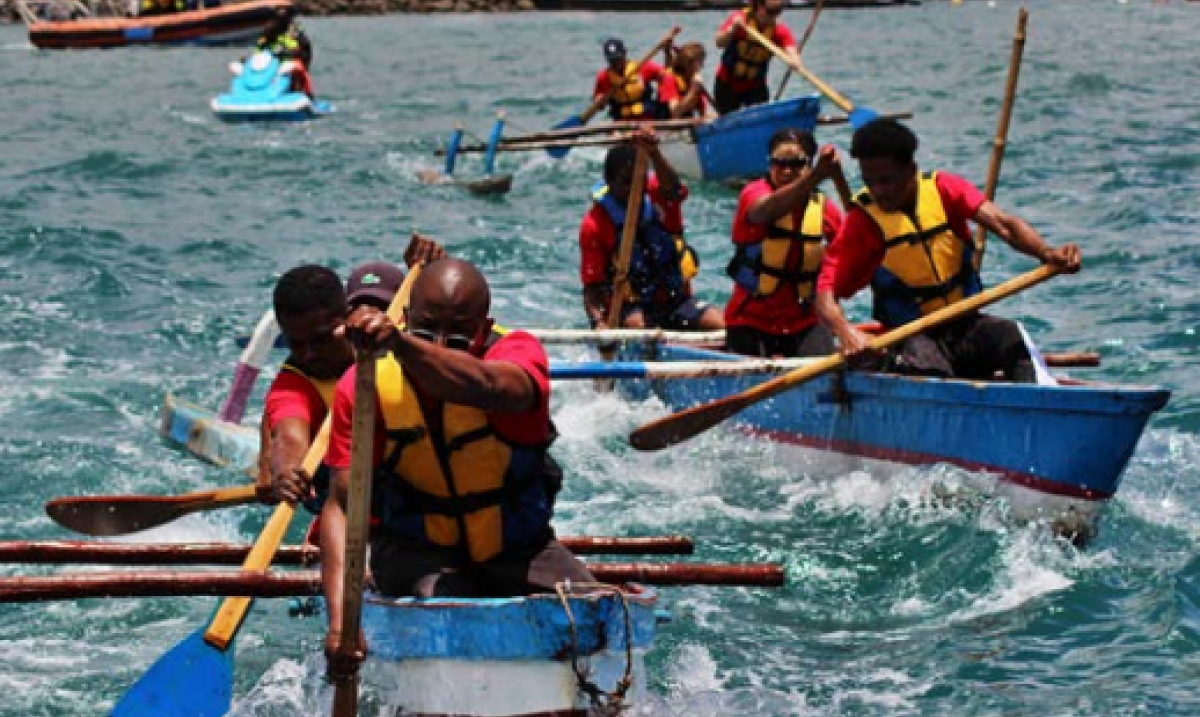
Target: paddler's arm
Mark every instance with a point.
(786, 198)
(668, 179)
(446, 374)
(289, 444)
(1018, 234)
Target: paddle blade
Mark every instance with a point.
(113, 515)
(860, 116)
(679, 427)
(570, 122)
(194, 679)
(108, 515)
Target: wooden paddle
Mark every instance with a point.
(108, 515)
(679, 427)
(812, 23)
(633, 210)
(195, 678)
(859, 116)
(358, 509)
(599, 103)
(998, 145)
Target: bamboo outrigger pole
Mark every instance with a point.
(998, 145)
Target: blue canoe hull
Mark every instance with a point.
(508, 657)
(734, 146)
(1064, 448)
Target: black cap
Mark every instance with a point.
(614, 49)
(375, 280)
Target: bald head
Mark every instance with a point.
(453, 281)
(449, 297)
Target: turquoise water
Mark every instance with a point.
(138, 236)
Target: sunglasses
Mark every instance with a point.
(457, 342)
(789, 162)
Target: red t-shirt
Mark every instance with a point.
(852, 258)
(782, 312)
(293, 396)
(649, 72)
(781, 35)
(527, 428)
(669, 92)
(598, 235)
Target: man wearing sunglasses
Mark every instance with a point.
(907, 236)
(742, 75)
(780, 229)
(464, 483)
(310, 305)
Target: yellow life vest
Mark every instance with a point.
(746, 59)
(326, 387)
(926, 264)
(628, 90)
(460, 481)
(761, 268)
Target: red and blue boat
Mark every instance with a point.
(229, 24)
(1056, 452)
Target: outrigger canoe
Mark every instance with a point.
(546, 654)
(1055, 452)
(728, 148)
(231, 24)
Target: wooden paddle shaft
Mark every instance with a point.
(51, 552)
(834, 96)
(899, 335)
(812, 24)
(1001, 140)
(358, 518)
(633, 208)
(145, 583)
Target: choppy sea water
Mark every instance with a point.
(138, 236)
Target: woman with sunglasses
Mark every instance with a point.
(780, 230)
(742, 75)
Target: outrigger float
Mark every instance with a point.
(490, 182)
(70, 24)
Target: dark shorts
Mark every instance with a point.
(725, 100)
(978, 347)
(685, 316)
(402, 568)
(816, 340)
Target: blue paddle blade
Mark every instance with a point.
(560, 152)
(194, 679)
(859, 116)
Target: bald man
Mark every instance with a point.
(464, 484)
